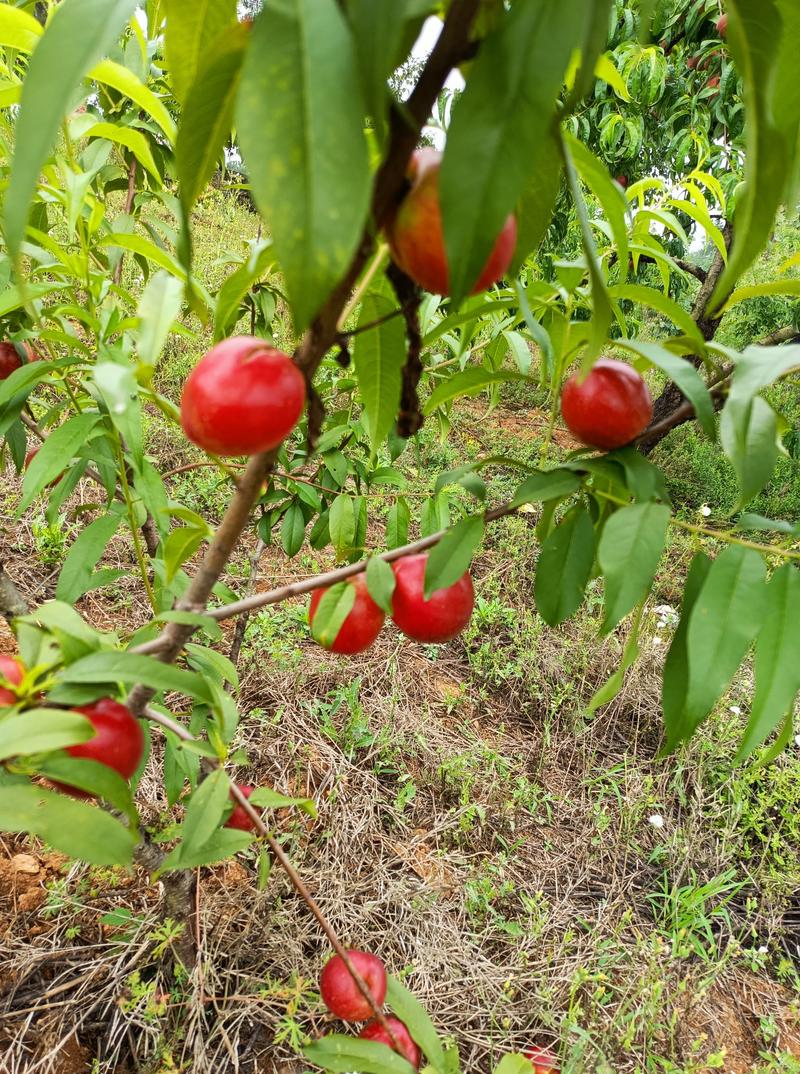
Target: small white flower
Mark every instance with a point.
(656, 820)
(705, 510)
(735, 710)
(762, 950)
(657, 641)
(797, 740)
(664, 610)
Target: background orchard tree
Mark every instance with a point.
(607, 167)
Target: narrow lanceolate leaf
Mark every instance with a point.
(564, 567)
(379, 29)
(192, 29)
(493, 151)
(336, 604)
(676, 667)
(683, 374)
(131, 139)
(378, 358)
(546, 485)
(293, 529)
(725, 621)
(120, 78)
(267, 798)
(748, 433)
(77, 36)
(130, 668)
(411, 1012)
(78, 829)
(158, 307)
(75, 578)
(18, 29)
(300, 117)
(203, 815)
(657, 300)
(630, 548)
(777, 665)
(762, 37)
(470, 382)
(41, 730)
(595, 175)
(208, 114)
(630, 654)
(601, 300)
(349, 1055)
(56, 453)
(381, 583)
(397, 522)
(537, 201)
(449, 560)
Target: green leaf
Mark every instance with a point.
(293, 529)
(158, 308)
(676, 666)
(224, 843)
(381, 583)
(601, 302)
(334, 607)
(537, 201)
(606, 71)
(131, 139)
(304, 146)
(179, 547)
(131, 668)
(762, 38)
(758, 290)
(41, 730)
(777, 668)
(546, 485)
(56, 453)
(78, 33)
(379, 28)
(780, 743)
(18, 29)
(565, 566)
(76, 575)
(725, 620)
(397, 523)
(236, 286)
(630, 654)
(645, 481)
(195, 619)
(416, 1019)
(470, 382)
(451, 557)
(192, 30)
(657, 300)
(342, 525)
(75, 828)
(208, 114)
(378, 359)
(683, 374)
(748, 434)
(514, 1063)
(595, 175)
(121, 78)
(628, 553)
(204, 812)
(267, 798)
(93, 777)
(492, 151)
(349, 1055)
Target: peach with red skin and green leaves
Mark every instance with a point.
(12, 671)
(363, 622)
(341, 995)
(118, 741)
(242, 398)
(608, 407)
(442, 616)
(408, 1047)
(416, 235)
